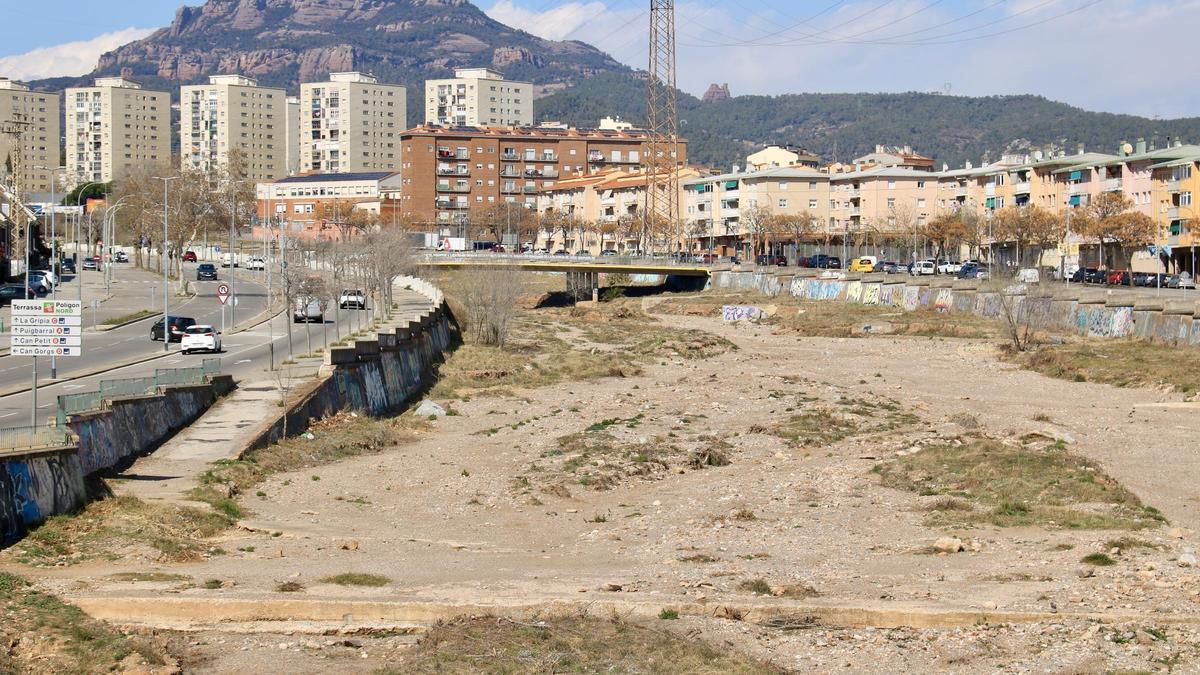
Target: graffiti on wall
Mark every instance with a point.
(854, 292)
(731, 313)
(944, 301)
(871, 294)
(912, 298)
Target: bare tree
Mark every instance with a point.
(1110, 217)
(1028, 227)
(757, 221)
(491, 298)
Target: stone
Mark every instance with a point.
(1187, 560)
(948, 545)
(611, 587)
(428, 408)
(1177, 533)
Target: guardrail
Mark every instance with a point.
(565, 260)
(23, 439)
(73, 404)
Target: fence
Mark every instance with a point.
(73, 404)
(32, 438)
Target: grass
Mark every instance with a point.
(756, 586)
(1128, 362)
(150, 577)
(132, 316)
(120, 527)
(1013, 485)
(668, 615)
(42, 634)
(357, 579)
(1098, 559)
(571, 644)
(848, 417)
(289, 587)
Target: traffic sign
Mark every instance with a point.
(47, 308)
(223, 293)
(217, 249)
(45, 351)
(46, 340)
(46, 330)
(48, 320)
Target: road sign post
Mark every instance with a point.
(45, 328)
(223, 296)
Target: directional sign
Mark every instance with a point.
(223, 293)
(48, 320)
(47, 328)
(46, 351)
(47, 308)
(47, 340)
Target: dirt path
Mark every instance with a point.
(488, 508)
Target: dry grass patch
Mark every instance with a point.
(1012, 484)
(42, 634)
(576, 644)
(122, 528)
(357, 579)
(150, 577)
(819, 425)
(1129, 362)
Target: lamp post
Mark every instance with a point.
(55, 266)
(78, 225)
(166, 327)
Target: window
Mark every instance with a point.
(782, 186)
(891, 202)
(783, 203)
(891, 185)
(920, 184)
(1185, 199)
(920, 203)
(812, 203)
(812, 185)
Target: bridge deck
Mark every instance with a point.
(543, 265)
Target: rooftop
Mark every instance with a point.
(526, 132)
(335, 177)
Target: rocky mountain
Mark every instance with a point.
(286, 42)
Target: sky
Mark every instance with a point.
(1105, 55)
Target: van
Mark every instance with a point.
(924, 268)
(308, 309)
(228, 258)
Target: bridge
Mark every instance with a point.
(582, 272)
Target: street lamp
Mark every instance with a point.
(55, 266)
(78, 224)
(166, 326)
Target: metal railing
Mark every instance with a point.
(73, 404)
(15, 439)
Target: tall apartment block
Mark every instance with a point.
(478, 97)
(292, 135)
(229, 113)
(38, 111)
(351, 124)
(115, 126)
(446, 174)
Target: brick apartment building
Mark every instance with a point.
(449, 172)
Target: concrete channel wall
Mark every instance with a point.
(39, 484)
(1091, 311)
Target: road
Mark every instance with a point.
(245, 354)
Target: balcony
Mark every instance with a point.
(510, 172)
(446, 187)
(530, 189)
(1077, 188)
(510, 157)
(960, 192)
(855, 212)
(445, 154)
(854, 193)
(550, 173)
(453, 171)
(990, 189)
(1173, 213)
(1021, 188)
(596, 157)
(1173, 186)
(1112, 185)
(448, 205)
(548, 157)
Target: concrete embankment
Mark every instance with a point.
(1095, 312)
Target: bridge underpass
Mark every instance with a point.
(582, 276)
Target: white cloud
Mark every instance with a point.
(557, 23)
(67, 59)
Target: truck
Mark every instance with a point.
(453, 244)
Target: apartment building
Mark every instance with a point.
(229, 113)
(893, 157)
(115, 126)
(606, 208)
(782, 156)
(293, 203)
(292, 135)
(1175, 194)
(37, 112)
(351, 123)
(716, 208)
(448, 173)
(478, 97)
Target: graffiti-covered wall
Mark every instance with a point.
(1096, 319)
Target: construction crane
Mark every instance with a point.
(662, 215)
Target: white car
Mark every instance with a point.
(948, 267)
(923, 268)
(256, 263)
(51, 277)
(200, 338)
(121, 257)
(352, 299)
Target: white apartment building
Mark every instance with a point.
(351, 124)
(38, 111)
(115, 126)
(292, 134)
(229, 113)
(478, 97)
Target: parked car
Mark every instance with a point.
(608, 253)
(39, 283)
(352, 299)
(1154, 280)
(1080, 276)
(308, 310)
(826, 262)
(121, 257)
(1096, 276)
(90, 264)
(10, 292)
(67, 265)
(256, 263)
(777, 260)
(1181, 280)
(710, 258)
(189, 256)
(561, 251)
(974, 271)
(948, 267)
(206, 272)
(581, 254)
(200, 337)
(1117, 278)
(227, 259)
(888, 267)
(922, 268)
(864, 263)
(1029, 275)
(178, 324)
(50, 276)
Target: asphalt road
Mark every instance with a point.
(245, 354)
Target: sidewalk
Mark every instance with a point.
(170, 473)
